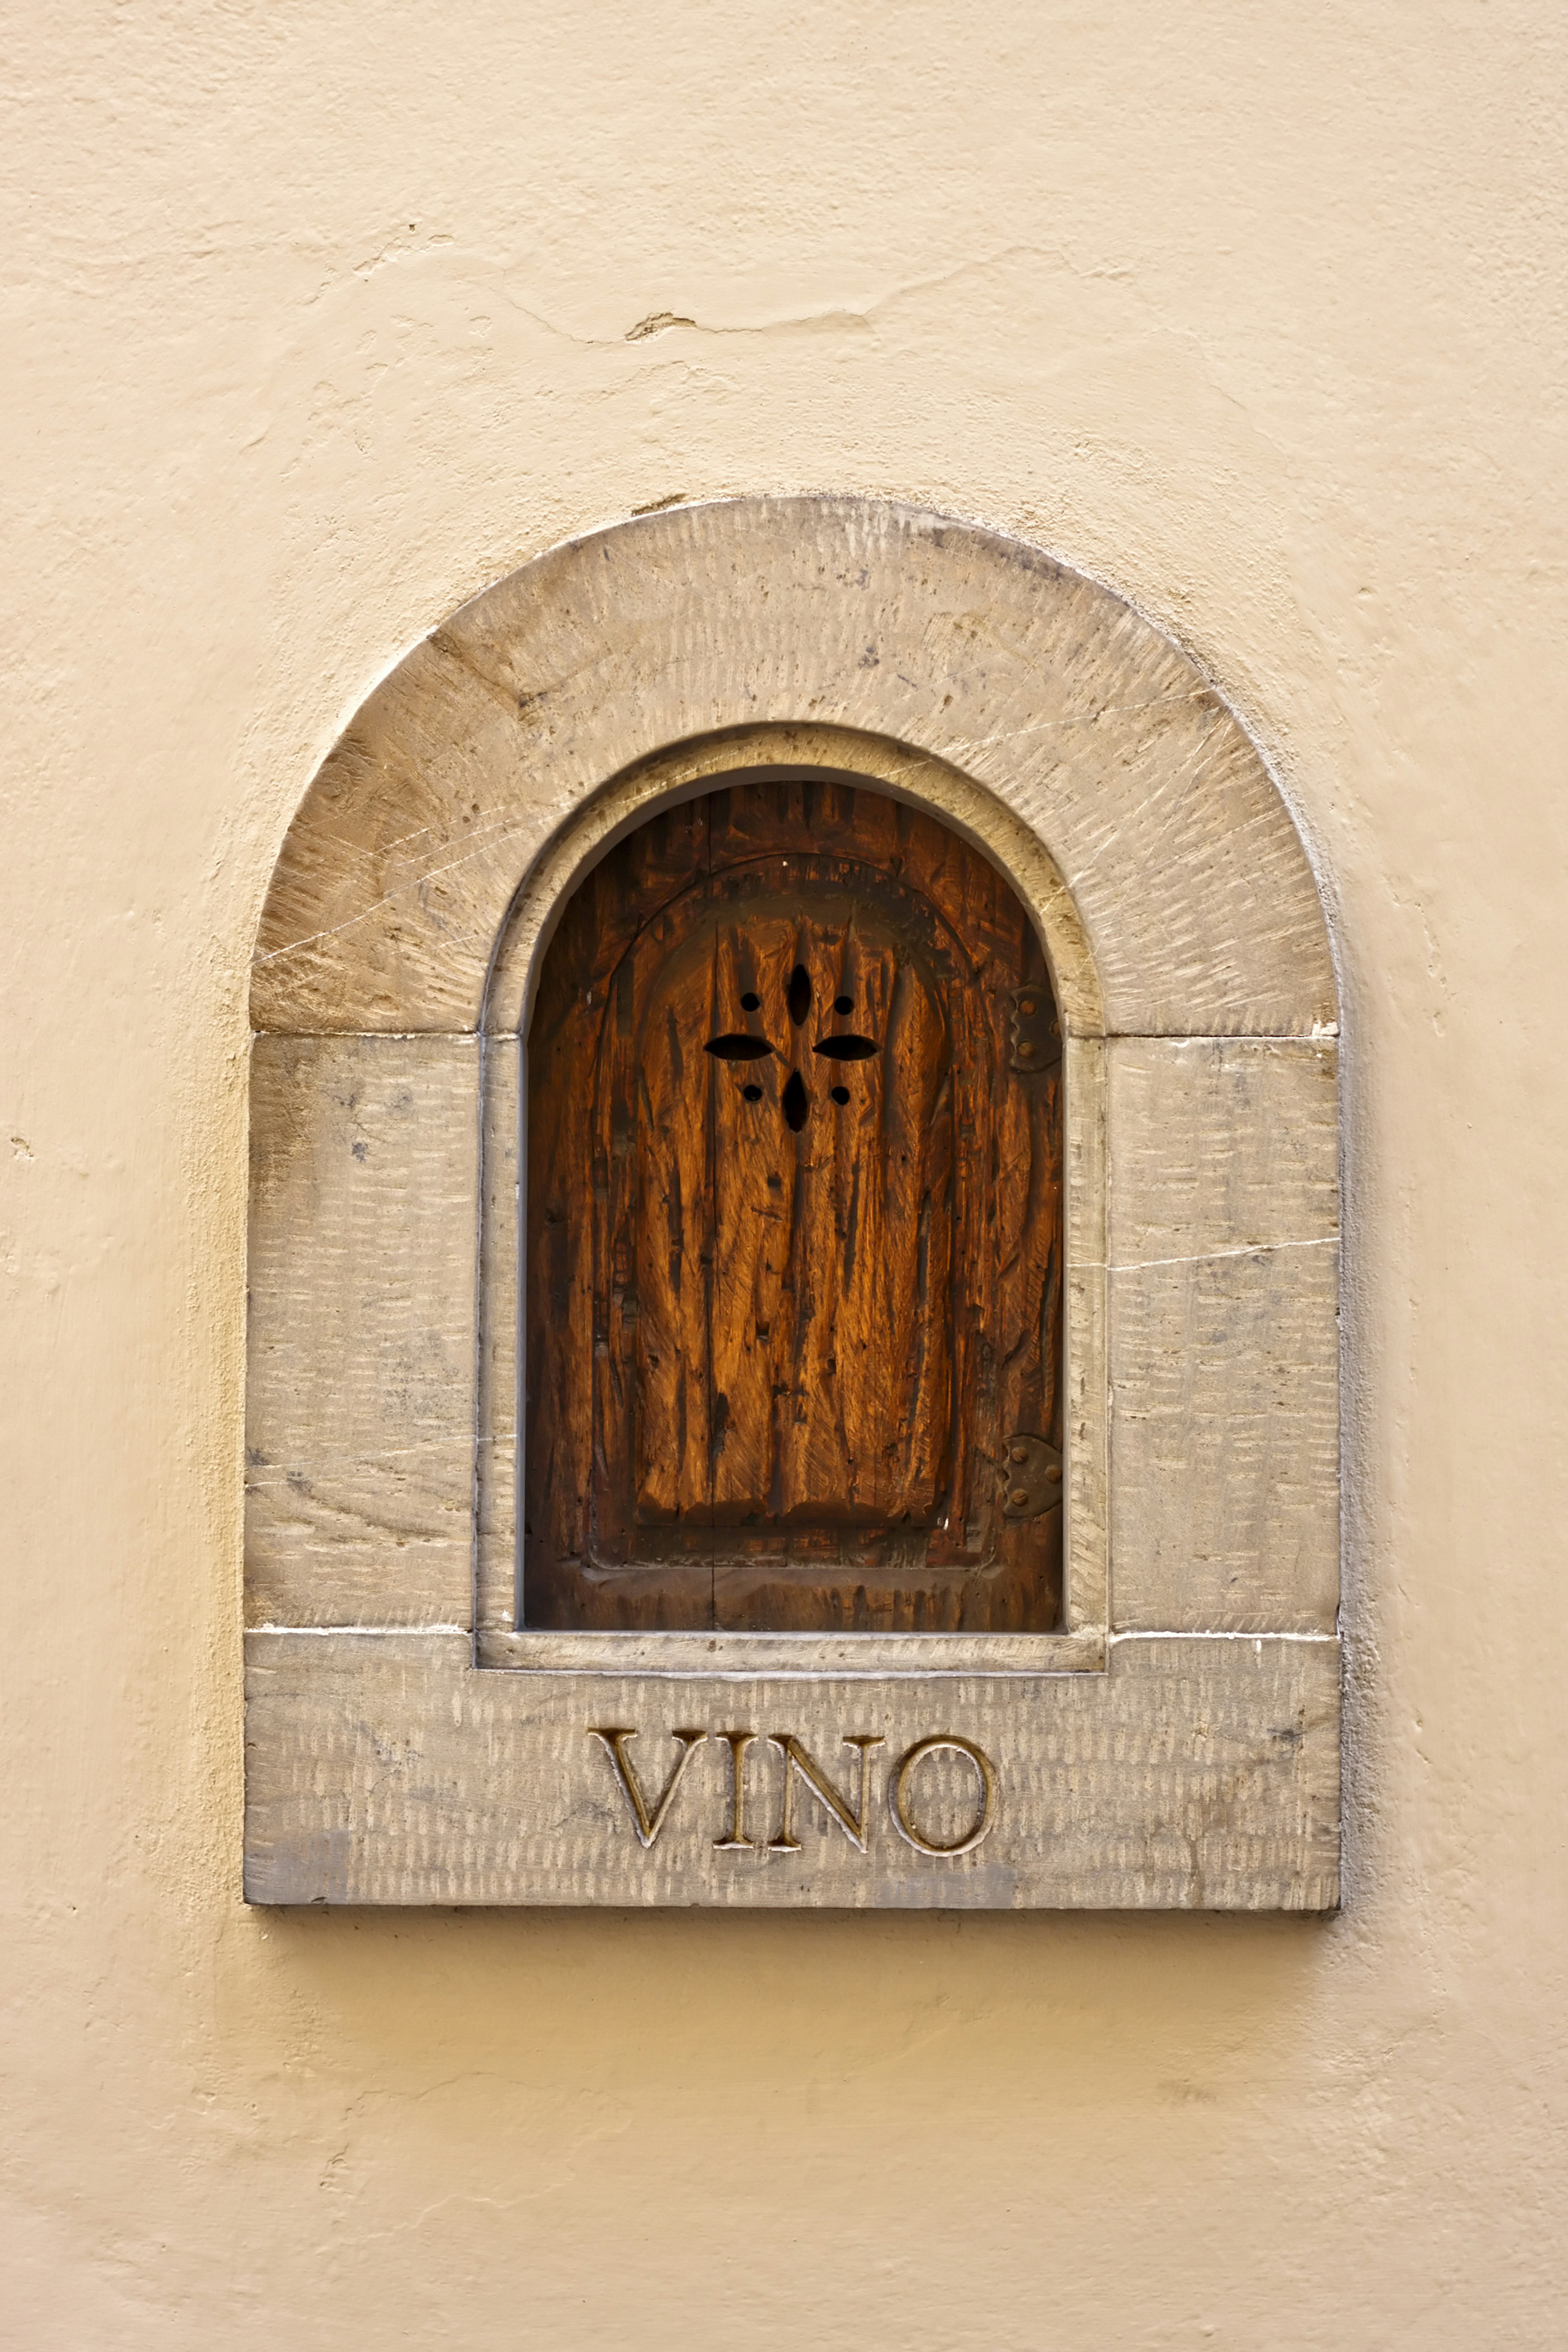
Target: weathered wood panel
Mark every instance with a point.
(779, 1093)
(1222, 1232)
(360, 1388)
(547, 905)
(1196, 1774)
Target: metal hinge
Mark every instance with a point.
(1031, 1476)
(1035, 1037)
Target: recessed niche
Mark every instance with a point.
(776, 1356)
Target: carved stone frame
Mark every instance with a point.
(771, 748)
(1177, 1744)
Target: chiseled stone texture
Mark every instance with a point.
(1193, 886)
(1194, 1775)
(1222, 1283)
(360, 1417)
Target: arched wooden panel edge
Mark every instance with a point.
(684, 770)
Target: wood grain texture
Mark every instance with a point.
(1222, 1232)
(794, 1229)
(1196, 1774)
(360, 1388)
(1197, 900)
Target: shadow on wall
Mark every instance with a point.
(1092, 2007)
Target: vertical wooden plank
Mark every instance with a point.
(661, 1244)
(751, 1176)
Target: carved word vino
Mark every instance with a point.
(804, 1776)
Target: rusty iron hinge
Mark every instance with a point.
(1035, 1037)
(1031, 1476)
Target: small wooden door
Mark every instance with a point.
(793, 1241)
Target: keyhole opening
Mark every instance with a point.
(798, 998)
(794, 1101)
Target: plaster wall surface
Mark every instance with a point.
(318, 320)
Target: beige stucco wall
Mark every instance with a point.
(321, 316)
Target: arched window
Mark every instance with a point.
(793, 1349)
(793, 1202)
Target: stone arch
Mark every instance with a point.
(1088, 758)
(960, 646)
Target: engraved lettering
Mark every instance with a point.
(648, 1825)
(797, 1760)
(737, 1840)
(854, 1819)
(897, 1794)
